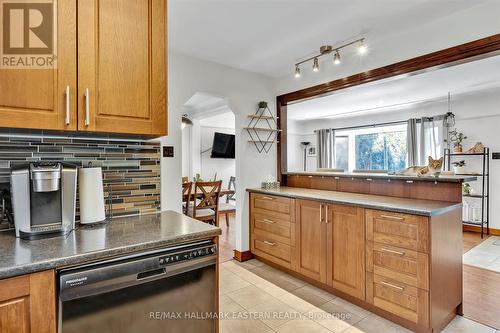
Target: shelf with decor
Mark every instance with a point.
(263, 128)
(479, 215)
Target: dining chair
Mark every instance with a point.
(205, 207)
(185, 179)
(227, 207)
(187, 188)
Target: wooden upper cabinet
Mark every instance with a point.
(36, 98)
(122, 66)
(346, 249)
(28, 303)
(311, 239)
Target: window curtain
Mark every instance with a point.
(424, 139)
(325, 148)
(412, 142)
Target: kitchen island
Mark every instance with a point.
(400, 257)
(32, 271)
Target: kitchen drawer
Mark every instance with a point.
(400, 230)
(269, 203)
(398, 298)
(402, 265)
(269, 248)
(280, 230)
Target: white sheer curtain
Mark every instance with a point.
(325, 148)
(424, 139)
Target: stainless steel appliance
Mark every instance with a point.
(172, 290)
(43, 199)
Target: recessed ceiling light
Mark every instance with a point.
(362, 49)
(297, 71)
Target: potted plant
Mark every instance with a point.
(456, 138)
(459, 167)
(466, 189)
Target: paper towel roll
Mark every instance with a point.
(91, 195)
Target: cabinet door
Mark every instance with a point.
(346, 249)
(122, 66)
(37, 98)
(311, 239)
(28, 303)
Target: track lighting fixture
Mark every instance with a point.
(327, 49)
(336, 58)
(297, 71)
(315, 65)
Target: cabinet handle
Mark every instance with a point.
(392, 285)
(268, 221)
(67, 95)
(399, 218)
(269, 243)
(369, 179)
(337, 178)
(326, 214)
(87, 107)
(409, 181)
(320, 213)
(393, 251)
(267, 198)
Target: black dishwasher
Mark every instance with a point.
(172, 290)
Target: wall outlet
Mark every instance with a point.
(495, 156)
(168, 151)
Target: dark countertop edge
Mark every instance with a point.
(443, 179)
(427, 213)
(104, 254)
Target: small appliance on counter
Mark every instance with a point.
(91, 195)
(43, 199)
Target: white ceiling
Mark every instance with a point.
(400, 92)
(269, 36)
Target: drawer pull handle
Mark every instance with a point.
(399, 218)
(268, 221)
(267, 198)
(393, 251)
(392, 285)
(309, 176)
(369, 179)
(269, 243)
(409, 181)
(337, 178)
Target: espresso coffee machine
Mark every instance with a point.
(43, 199)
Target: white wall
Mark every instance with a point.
(242, 90)
(223, 167)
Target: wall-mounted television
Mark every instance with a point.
(223, 146)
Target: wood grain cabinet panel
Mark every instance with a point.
(354, 185)
(346, 249)
(28, 304)
(276, 206)
(122, 66)
(35, 98)
(311, 239)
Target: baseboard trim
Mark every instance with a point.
(242, 256)
(475, 228)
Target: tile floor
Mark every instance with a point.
(258, 298)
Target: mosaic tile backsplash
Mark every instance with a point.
(130, 164)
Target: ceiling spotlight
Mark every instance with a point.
(315, 65)
(336, 58)
(362, 47)
(297, 71)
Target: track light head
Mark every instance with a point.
(297, 72)
(362, 49)
(315, 65)
(336, 58)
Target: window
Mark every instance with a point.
(342, 152)
(381, 151)
(377, 148)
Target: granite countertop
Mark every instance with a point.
(122, 235)
(441, 178)
(400, 205)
